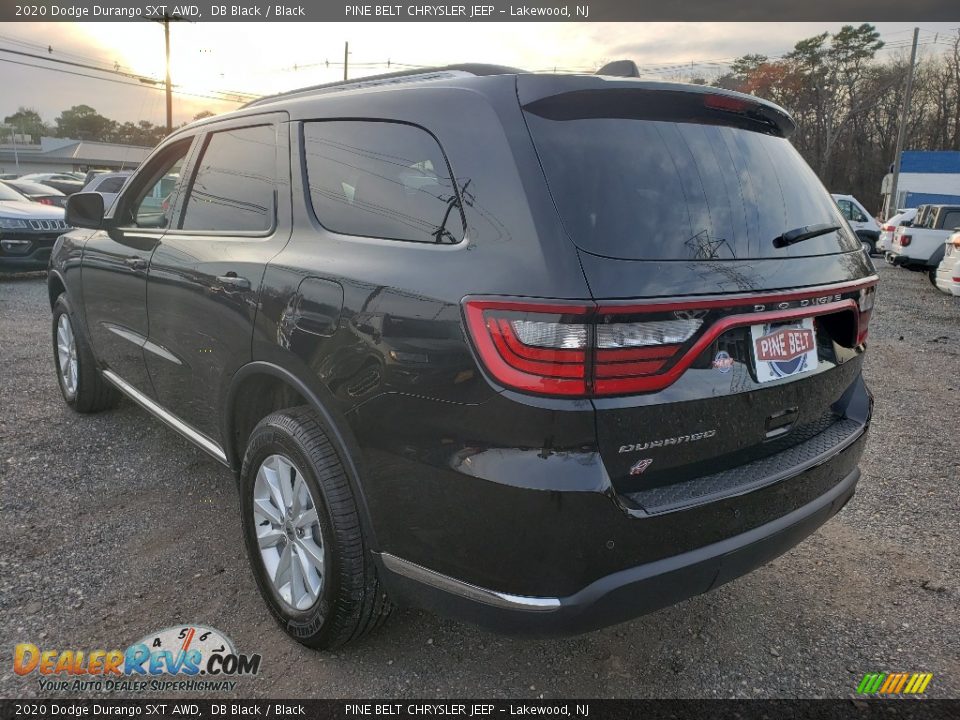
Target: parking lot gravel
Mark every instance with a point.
(112, 526)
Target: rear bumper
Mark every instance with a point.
(623, 595)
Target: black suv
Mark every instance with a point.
(541, 352)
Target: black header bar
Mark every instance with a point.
(485, 11)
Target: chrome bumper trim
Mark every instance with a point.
(466, 590)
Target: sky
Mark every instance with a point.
(209, 59)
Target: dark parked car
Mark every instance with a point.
(28, 231)
(43, 194)
(541, 352)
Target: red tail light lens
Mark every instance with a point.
(584, 350)
(905, 240)
(45, 201)
(888, 228)
(532, 347)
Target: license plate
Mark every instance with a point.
(784, 349)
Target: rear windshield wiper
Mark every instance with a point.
(800, 234)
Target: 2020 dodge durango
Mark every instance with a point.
(539, 352)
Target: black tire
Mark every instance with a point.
(92, 392)
(351, 601)
(869, 243)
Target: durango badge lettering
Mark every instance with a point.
(666, 442)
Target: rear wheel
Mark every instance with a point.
(81, 384)
(303, 535)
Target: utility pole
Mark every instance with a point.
(165, 19)
(346, 53)
(166, 40)
(891, 208)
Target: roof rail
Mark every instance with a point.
(429, 73)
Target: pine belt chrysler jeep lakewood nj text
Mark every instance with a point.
(540, 352)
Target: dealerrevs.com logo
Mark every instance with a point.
(182, 658)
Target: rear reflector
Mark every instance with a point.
(584, 350)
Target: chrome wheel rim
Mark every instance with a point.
(67, 355)
(289, 535)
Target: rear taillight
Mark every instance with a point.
(955, 240)
(865, 306)
(547, 349)
(532, 347)
(889, 228)
(45, 201)
(580, 349)
(905, 240)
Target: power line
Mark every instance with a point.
(145, 80)
(119, 82)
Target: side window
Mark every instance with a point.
(148, 203)
(111, 185)
(233, 185)
(381, 179)
(951, 220)
(846, 208)
(857, 214)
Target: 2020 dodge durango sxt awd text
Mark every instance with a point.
(540, 352)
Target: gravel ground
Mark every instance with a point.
(112, 526)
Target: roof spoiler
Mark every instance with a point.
(620, 68)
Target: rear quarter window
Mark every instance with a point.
(381, 179)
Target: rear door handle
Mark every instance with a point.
(136, 263)
(234, 281)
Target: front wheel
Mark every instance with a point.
(303, 534)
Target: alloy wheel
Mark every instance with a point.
(67, 354)
(289, 535)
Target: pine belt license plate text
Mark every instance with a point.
(784, 349)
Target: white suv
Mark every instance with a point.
(867, 229)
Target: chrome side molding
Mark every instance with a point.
(466, 590)
(167, 417)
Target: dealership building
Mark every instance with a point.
(65, 154)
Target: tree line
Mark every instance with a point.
(847, 104)
(82, 122)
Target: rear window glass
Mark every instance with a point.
(381, 179)
(661, 190)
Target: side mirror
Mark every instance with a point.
(85, 210)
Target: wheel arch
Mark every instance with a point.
(55, 286)
(241, 416)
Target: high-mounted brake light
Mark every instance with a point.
(725, 102)
(580, 349)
